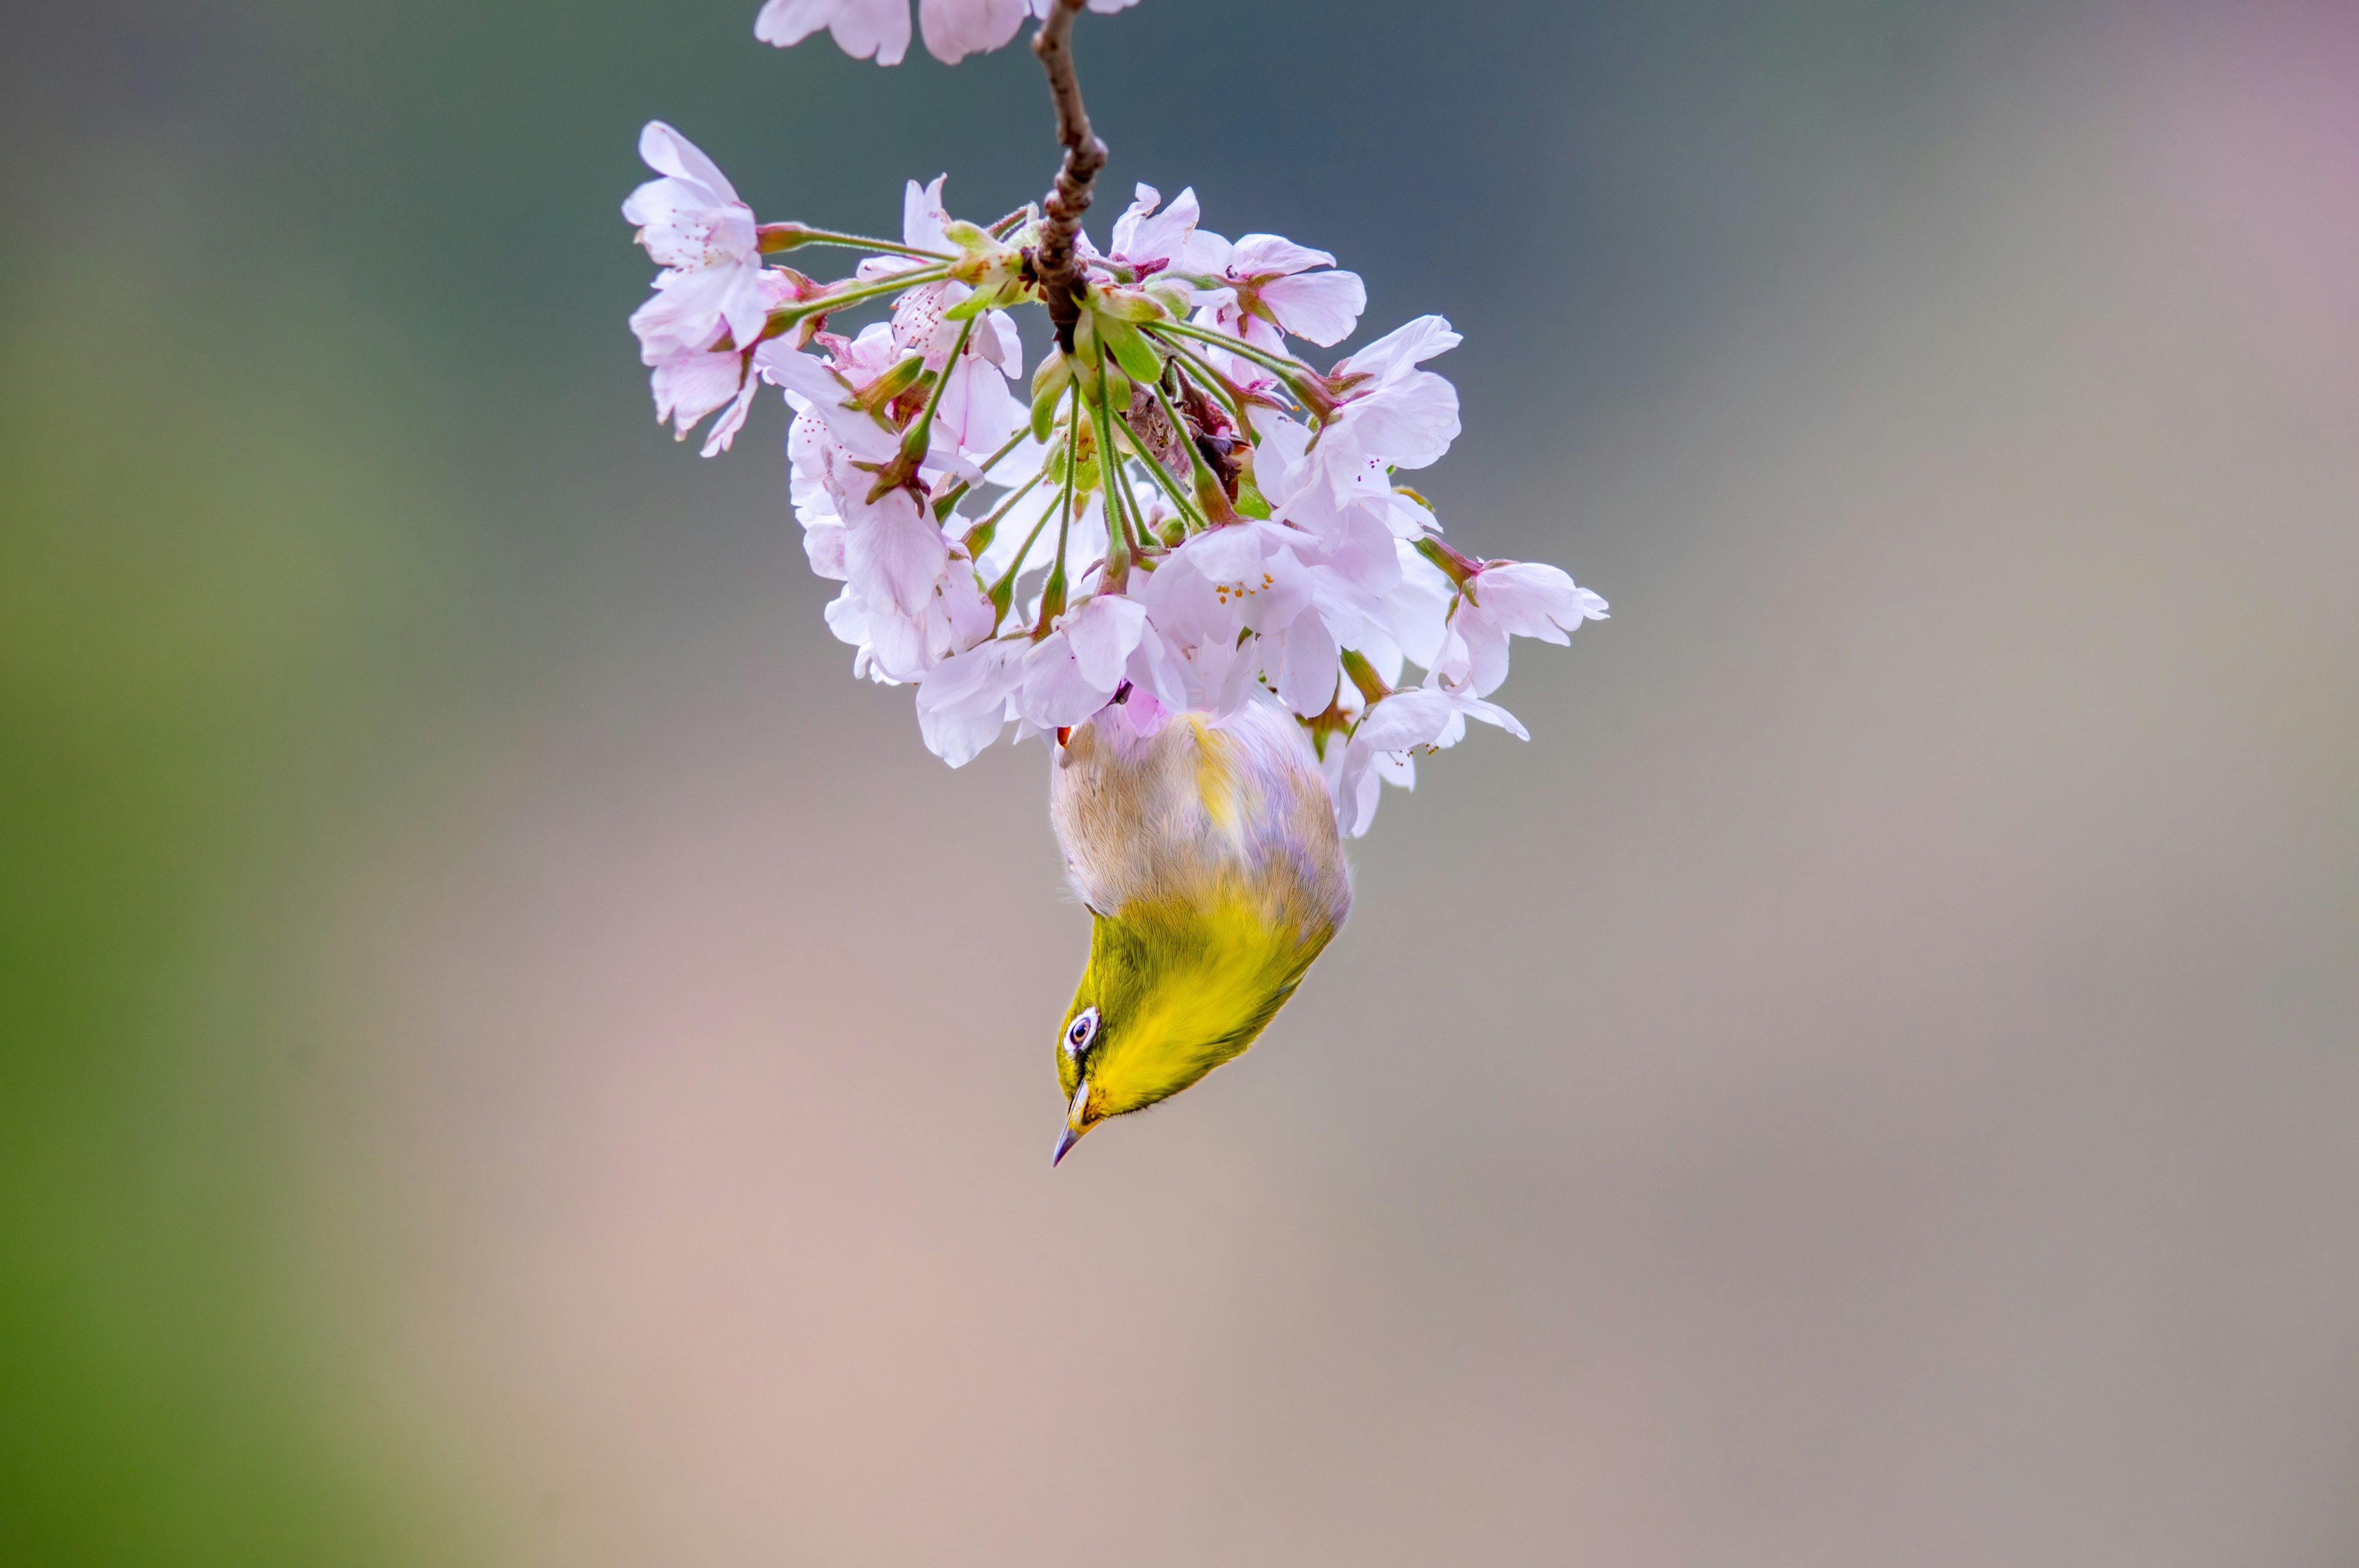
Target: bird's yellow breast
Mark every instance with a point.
(1183, 988)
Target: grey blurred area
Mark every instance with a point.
(517, 1058)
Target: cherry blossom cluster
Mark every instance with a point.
(1175, 514)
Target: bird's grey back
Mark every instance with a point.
(1197, 807)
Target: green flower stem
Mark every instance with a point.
(1143, 542)
(1003, 592)
(1208, 484)
(1052, 593)
(1110, 481)
(787, 316)
(776, 237)
(1220, 385)
(978, 538)
(1193, 519)
(920, 434)
(959, 491)
(1284, 369)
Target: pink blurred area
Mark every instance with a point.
(1873, 1082)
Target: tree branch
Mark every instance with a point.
(1060, 274)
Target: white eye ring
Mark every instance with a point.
(1081, 1032)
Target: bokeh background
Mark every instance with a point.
(509, 1056)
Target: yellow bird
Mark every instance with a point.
(1207, 853)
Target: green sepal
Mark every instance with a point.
(907, 372)
(1130, 349)
(1373, 688)
(1250, 500)
(973, 304)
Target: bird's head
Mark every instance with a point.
(1171, 992)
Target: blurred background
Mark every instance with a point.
(509, 1056)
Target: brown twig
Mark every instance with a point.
(1053, 263)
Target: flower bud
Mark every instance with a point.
(1049, 384)
(1172, 295)
(1088, 351)
(1126, 305)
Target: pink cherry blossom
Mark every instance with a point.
(1148, 241)
(1510, 598)
(1428, 717)
(1393, 409)
(963, 702)
(952, 28)
(1267, 288)
(1076, 670)
(693, 225)
(863, 28)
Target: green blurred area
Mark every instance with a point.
(204, 558)
(257, 537)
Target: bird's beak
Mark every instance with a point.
(1074, 1124)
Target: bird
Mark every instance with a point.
(1205, 848)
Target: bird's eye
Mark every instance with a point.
(1082, 1030)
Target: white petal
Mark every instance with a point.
(1307, 680)
(1408, 423)
(1404, 346)
(956, 28)
(1486, 650)
(922, 216)
(1102, 633)
(1405, 719)
(1418, 609)
(1321, 306)
(1055, 692)
(894, 556)
(855, 427)
(666, 151)
(861, 27)
(962, 701)
(847, 617)
(1531, 599)
(1492, 713)
(1273, 255)
(823, 545)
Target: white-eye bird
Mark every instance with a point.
(1207, 853)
